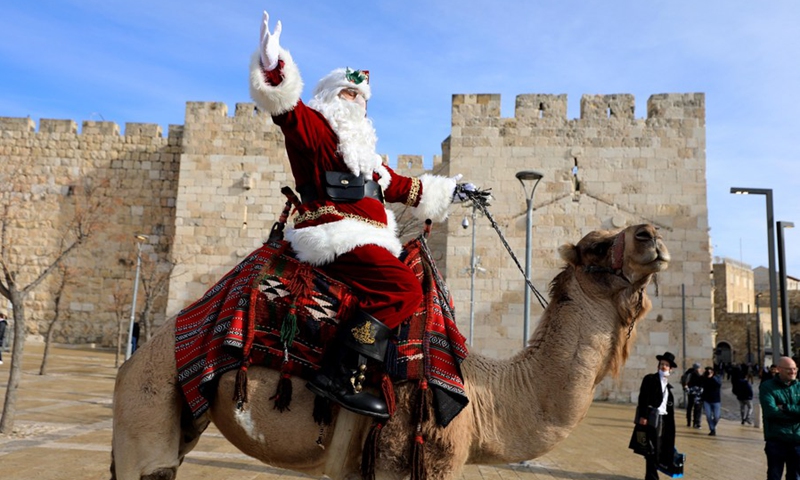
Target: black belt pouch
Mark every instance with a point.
(344, 187)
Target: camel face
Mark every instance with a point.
(635, 252)
(645, 252)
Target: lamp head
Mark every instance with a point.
(748, 191)
(529, 175)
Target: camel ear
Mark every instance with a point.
(569, 253)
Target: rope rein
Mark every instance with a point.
(480, 199)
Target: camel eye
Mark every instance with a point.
(644, 236)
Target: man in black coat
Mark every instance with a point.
(655, 415)
(692, 382)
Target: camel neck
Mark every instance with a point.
(530, 402)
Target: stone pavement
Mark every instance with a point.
(63, 432)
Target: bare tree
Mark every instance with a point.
(81, 208)
(155, 281)
(66, 277)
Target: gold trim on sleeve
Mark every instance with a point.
(413, 193)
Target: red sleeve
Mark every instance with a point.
(274, 76)
(402, 189)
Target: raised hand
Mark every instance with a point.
(468, 191)
(269, 46)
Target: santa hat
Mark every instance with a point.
(341, 78)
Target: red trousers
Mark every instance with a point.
(386, 288)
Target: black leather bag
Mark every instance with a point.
(651, 414)
(675, 469)
(344, 187)
(641, 441)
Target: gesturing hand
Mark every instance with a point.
(270, 45)
(468, 191)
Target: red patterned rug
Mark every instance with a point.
(271, 310)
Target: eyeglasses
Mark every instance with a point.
(788, 368)
(349, 93)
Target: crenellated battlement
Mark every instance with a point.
(469, 109)
(88, 127)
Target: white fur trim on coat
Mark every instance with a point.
(437, 195)
(279, 99)
(321, 244)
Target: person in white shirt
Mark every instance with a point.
(656, 414)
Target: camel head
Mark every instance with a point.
(615, 267)
(631, 255)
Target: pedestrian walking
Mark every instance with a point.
(712, 398)
(692, 382)
(744, 393)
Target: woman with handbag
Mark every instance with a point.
(654, 434)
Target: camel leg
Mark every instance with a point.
(150, 436)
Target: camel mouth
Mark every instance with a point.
(659, 263)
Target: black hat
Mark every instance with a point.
(668, 357)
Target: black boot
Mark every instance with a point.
(343, 372)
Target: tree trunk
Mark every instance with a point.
(120, 326)
(15, 373)
(146, 322)
(47, 339)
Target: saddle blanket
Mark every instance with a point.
(272, 310)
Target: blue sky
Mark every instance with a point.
(142, 61)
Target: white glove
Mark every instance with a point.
(270, 45)
(459, 194)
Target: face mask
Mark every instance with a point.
(666, 374)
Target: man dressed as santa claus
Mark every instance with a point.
(342, 225)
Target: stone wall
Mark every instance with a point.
(134, 174)
(604, 170)
(208, 194)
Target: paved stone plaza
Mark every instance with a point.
(63, 432)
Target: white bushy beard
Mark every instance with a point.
(357, 138)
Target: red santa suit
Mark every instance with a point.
(355, 242)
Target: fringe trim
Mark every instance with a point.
(420, 413)
(419, 416)
(387, 388)
(369, 454)
(240, 387)
(323, 412)
(418, 470)
(283, 393)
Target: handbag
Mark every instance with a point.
(651, 414)
(675, 470)
(640, 442)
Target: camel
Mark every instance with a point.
(520, 408)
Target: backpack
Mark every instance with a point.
(685, 378)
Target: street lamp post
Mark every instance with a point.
(758, 334)
(474, 267)
(787, 331)
(139, 239)
(773, 290)
(535, 177)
